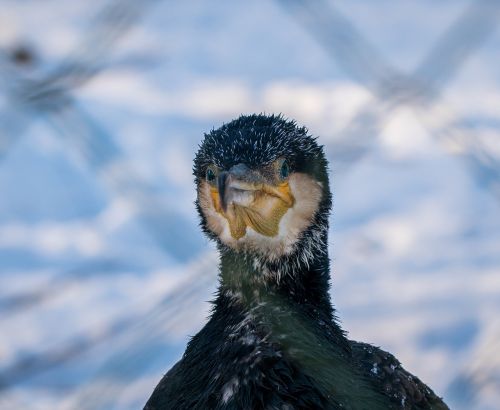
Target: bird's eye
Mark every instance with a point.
(284, 170)
(210, 175)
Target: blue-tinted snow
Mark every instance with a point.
(103, 271)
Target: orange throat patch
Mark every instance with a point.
(263, 214)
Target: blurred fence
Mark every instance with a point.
(51, 97)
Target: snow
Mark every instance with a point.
(106, 259)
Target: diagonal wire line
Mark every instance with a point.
(470, 30)
(48, 359)
(97, 147)
(111, 23)
(451, 50)
(172, 231)
(136, 351)
(340, 38)
(483, 164)
(355, 55)
(391, 88)
(26, 299)
(465, 35)
(157, 320)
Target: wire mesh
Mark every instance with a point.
(52, 98)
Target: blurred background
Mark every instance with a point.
(104, 273)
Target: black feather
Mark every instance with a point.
(272, 341)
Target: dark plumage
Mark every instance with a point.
(272, 341)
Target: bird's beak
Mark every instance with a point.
(246, 198)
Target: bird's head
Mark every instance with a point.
(262, 185)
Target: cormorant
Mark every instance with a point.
(272, 340)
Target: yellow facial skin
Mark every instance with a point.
(273, 218)
(262, 213)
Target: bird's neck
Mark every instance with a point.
(294, 280)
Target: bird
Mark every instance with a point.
(273, 339)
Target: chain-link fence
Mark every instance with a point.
(114, 360)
